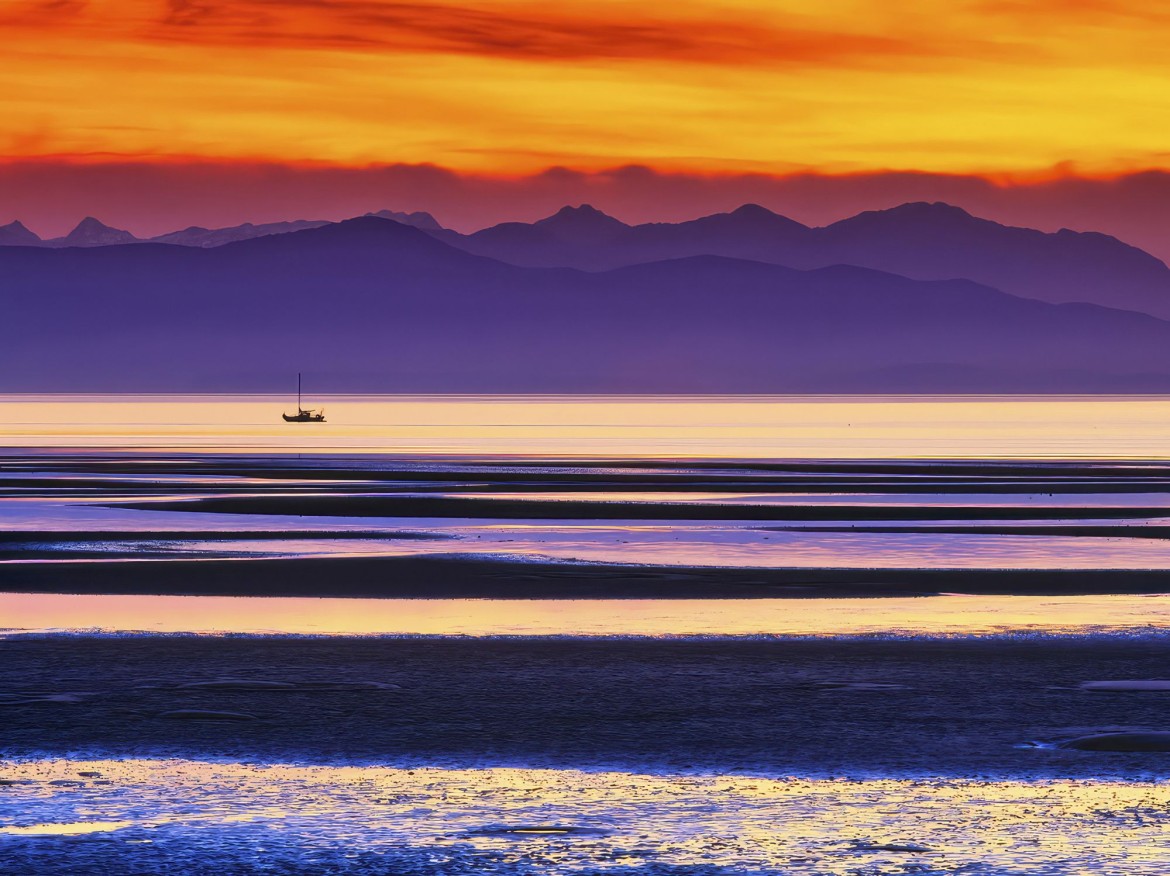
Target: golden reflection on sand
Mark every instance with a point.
(570, 819)
(932, 616)
(677, 426)
(66, 829)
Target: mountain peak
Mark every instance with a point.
(16, 234)
(756, 215)
(920, 212)
(370, 222)
(583, 218)
(930, 208)
(929, 215)
(753, 211)
(92, 232)
(418, 219)
(361, 231)
(581, 210)
(89, 224)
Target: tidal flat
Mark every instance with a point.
(445, 754)
(253, 659)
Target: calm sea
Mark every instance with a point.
(783, 427)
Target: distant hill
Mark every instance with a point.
(15, 234)
(921, 241)
(207, 237)
(197, 236)
(422, 220)
(91, 232)
(374, 305)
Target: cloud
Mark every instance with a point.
(40, 13)
(514, 85)
(560, 32)
(1073, 12)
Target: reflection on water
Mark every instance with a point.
(934, 615)
(744, 544)
(484, 476)
(71, 828)
(726, 426)
(144, 815)
(1054, 500)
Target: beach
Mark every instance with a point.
(860, 706)
(474, 662)
(441, 755)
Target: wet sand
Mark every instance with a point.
(439, 577)
(884, 707)
(439, 527)
(969, 722)
(535, 509)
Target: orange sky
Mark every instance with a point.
(772, 86)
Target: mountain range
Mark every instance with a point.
(372, 304)
(922, 241)
(919, 240)
(92, 232)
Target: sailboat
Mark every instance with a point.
(302, 415)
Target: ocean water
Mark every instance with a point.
(755, 427)
(991, 483)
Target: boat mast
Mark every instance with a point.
(298, 391)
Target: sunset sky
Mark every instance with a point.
(198, 101)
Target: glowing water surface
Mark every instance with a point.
(145, 815)
(933, 615)
(686, 426)
(532, 432)
(724, 544)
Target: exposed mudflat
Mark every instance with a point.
(896, 706)
(417, 527)
(951, 734)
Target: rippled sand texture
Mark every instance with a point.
(167, 816)
(983, 707)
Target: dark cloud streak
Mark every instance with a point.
(522, 31)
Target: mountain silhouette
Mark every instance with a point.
(205, 237)
(419, 219)
(374, 305)
(561, 240)
(15, 234)
(926, 241)
(91, 232)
